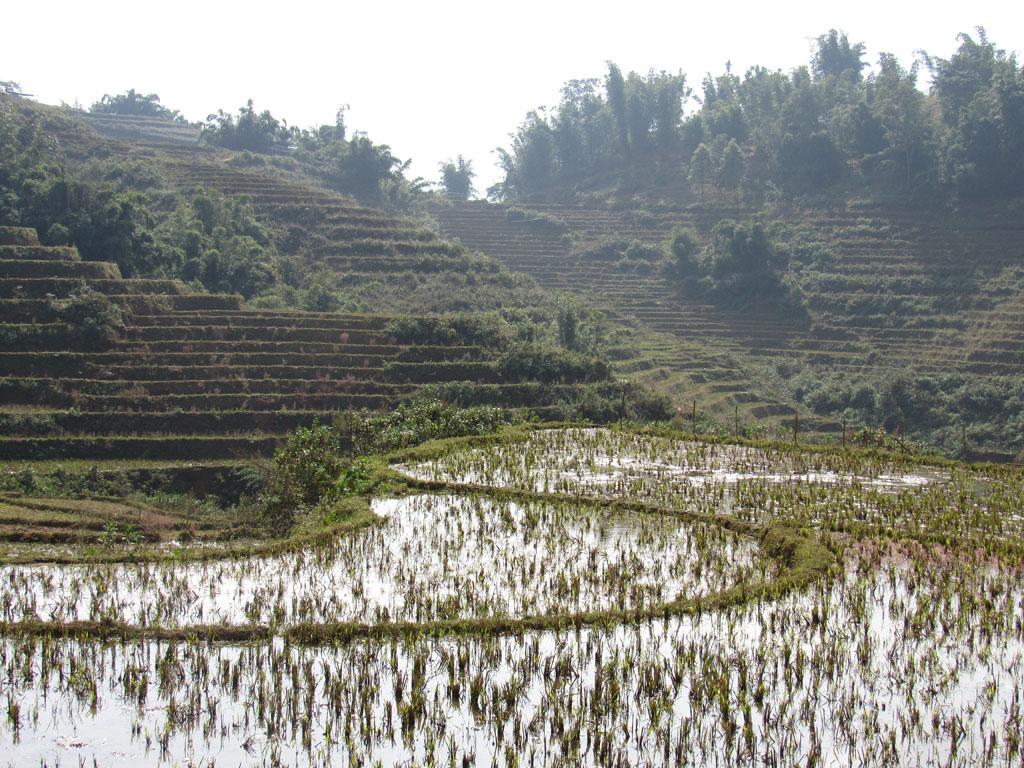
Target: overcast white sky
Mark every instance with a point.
(434, 79)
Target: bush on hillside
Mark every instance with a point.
(252, 131)
(525, 362)
(624, 401)
(936, 410)
(92, 317)
(416, 422)
(486, 330)
(537, 221)
(623, 254)
(743, 267)
(457, 178)
(220, 244)
(314, 467)
(304, 468)
(685, 246)
(135, 104)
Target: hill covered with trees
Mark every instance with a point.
(832, 128)
(834, 242)
(199, 303)
(822, 250)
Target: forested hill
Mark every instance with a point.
(833, 129)
(149, 291)
(839, 236)
(826, 248)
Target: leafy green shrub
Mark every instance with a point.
(91, 316)
(242, 484)
(125, 174)
(416, 422)
(355, 478)
(934, 410)
(256, 132)
(136, 104)
(28, 482)
(626, 255)
(621, 401)
(488, 330)
(537, 221)
(115, 533)
(745, 267)
(222, 243)
(457, 178)
(247, 159)
(304, 469)
(313, 469)
(640, 251)
(525, 362)
(685, 246)
(606, 250)
(640, 257)
(57, 234)
(356, 166)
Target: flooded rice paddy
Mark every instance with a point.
(755, 484)
(899, 666)
(910, 653)
(614, 464)
(435, 557)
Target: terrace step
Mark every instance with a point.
(265, 319)
(38, 253)
(176, 448)
(69, 269)
(106, 423)
(42, 287)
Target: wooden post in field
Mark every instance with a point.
(736, 419)
(963, 439)
(693, 418)
(796, 426)
(844, 431)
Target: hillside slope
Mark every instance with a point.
(888, 293)
(195, 376)
(182, 375)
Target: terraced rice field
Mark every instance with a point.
(49, 529)
(90, 521)
(136, 128)
(897, 290)
(195, 377)
(662, 602)
(435, 558)
(594, 462)
(395, 259)
(392, 261)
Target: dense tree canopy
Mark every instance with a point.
(980, 90)
(136, 104)
(249, 130)
(354, 166)
(457, 178)
(119, 211)
(836, 124)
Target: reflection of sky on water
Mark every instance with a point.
(434, 557)
(868, 655)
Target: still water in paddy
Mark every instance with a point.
(761, 485)
(905, 665)
(434, 557)
(913, 654)
(605, 462)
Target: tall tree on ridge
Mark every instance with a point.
(615, 85)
